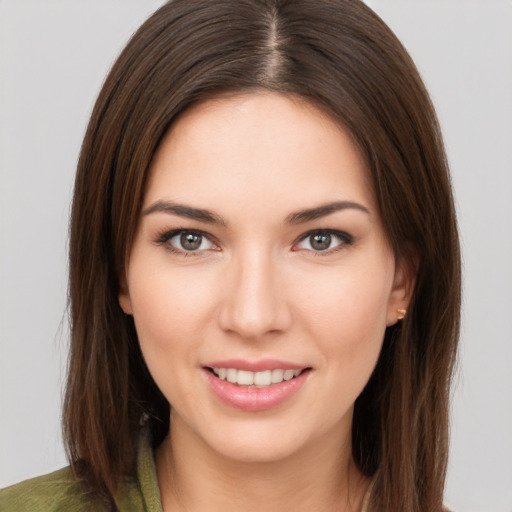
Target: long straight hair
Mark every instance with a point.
(340, 56)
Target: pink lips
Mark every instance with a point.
(248, 398)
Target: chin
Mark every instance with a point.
(264, 439)
(259, 450)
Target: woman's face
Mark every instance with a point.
(260, 279)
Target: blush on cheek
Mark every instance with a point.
(353, 323)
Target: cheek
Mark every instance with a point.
(170, 309)
(171, 312)
(347, 313)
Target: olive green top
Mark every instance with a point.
(61, 492)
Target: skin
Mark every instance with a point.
(256, 289)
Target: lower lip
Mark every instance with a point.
(255, 399)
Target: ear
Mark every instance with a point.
(406, 268)
(124, 294)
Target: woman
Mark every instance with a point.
(264, 271)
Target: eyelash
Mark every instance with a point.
(164, 238)
(344, 238)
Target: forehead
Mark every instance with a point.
(262, 145)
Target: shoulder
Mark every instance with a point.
(55, 492)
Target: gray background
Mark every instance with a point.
(54, 55)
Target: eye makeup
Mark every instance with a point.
(192, 242)
(186, 242)
(323, 241)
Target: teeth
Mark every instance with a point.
(258, 379)
(263, 378)
(245, 378)
(288, 374)
(277, 376)
(231, 375)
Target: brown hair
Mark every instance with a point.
(339, 55)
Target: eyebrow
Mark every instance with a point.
(323, 210)
(210, 217)
(182, 210)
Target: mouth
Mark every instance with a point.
(255, 386)
(259, 379)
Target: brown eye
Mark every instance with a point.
(190, 241)
(320, 242)
(184, 241)
(327, 241)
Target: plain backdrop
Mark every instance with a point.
(54, 55)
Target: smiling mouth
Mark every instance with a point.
(261, 379)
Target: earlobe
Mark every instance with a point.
(403, 288)
(400, 314)
(124, 296)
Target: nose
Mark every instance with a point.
(254, 299)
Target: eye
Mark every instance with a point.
(324, 240)
(186, 241)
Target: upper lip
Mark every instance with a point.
(256, 366)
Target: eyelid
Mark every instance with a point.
(345, 239)
(165, 237)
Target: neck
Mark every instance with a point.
(322, 477)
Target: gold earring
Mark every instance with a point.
(401, 313)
